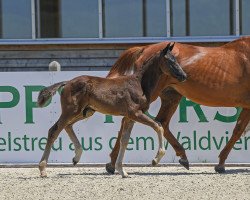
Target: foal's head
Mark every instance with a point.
(169, 64)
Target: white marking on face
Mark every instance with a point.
(191, 60)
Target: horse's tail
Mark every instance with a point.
(46, 93)
(125, 61)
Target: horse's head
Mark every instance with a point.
(170, 65)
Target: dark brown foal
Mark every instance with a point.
(126, 96)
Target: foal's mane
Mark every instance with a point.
(149, 74)
(148, 62)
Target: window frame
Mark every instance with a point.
(102, 40)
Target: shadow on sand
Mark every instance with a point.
(188, 173)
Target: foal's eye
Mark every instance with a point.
(170, 58)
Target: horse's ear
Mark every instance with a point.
(171, 46)
(165, 50)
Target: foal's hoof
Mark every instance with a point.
(110, 169)
(220, 169)
(184, 163)
(43, 174)
(154, 163)
(74, 161)
(126, 176)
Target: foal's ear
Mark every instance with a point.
(168, 48)
(165, 50)
(171, 46)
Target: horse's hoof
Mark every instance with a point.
(110, 169)
(184, 163)
(74, 162)
(220, 169)
(154, 163)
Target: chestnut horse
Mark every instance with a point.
(128, 96)
(216, 76)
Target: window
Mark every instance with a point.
(245, 17)
(30, 19)
(48, 15)
(123, 18)
(134, 18)
(68, 19)
(79, 18)
(178, 17)
(155, 23)
(202, 17)
(15, 19)
(209, 18)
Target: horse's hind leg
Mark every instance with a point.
(53, 133)
(240, 126)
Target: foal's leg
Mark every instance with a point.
(87, 112)
(74, 139)
(53, 133)
(77, 145)
(169, 103)
(124, 133)
(240, 126)
(110, 167)
(139, 116)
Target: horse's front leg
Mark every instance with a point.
(169, 103)
(127, 126)
(239, 128)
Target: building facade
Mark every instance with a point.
(91, 34)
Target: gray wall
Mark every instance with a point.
(77, 57)
(71, 57)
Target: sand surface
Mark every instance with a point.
(145, 183)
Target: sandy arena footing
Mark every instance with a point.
(145, 183)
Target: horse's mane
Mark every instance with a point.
(125, 62)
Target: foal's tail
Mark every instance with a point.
(46, 93)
